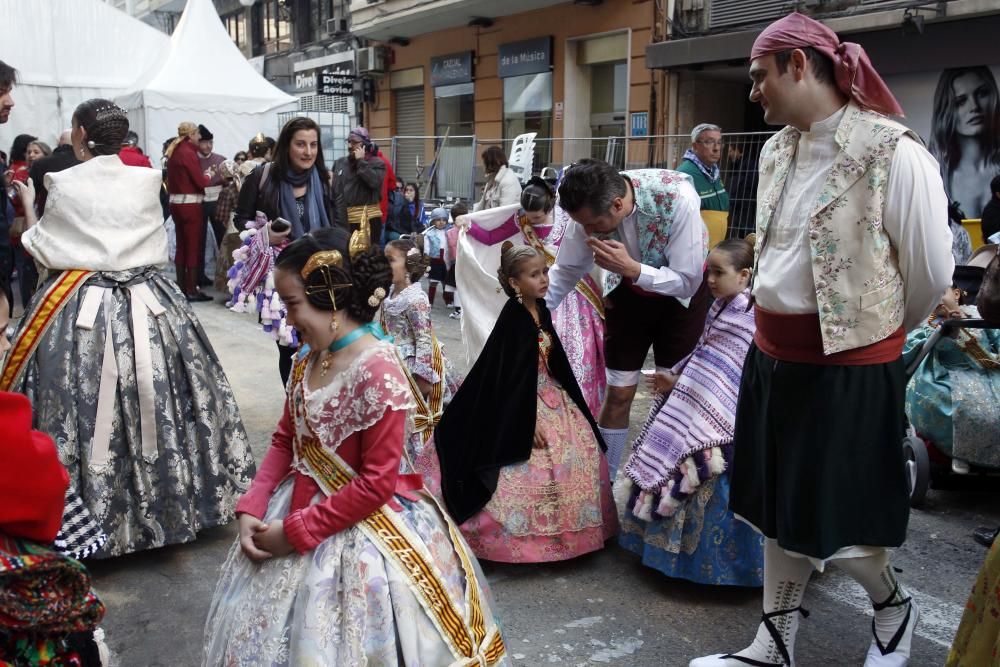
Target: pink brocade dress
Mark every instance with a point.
(558, 504)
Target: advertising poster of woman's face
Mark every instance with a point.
(961, 127)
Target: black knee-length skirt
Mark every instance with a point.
(818, 462)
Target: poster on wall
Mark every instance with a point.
(956, 112)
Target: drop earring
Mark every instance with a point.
(520, 297)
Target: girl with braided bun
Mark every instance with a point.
(520, 454)
(341, 559)
(406, 316)
(114, 360)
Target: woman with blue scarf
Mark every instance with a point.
(295, 187)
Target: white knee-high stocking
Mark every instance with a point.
(894, 611)
(785, 581)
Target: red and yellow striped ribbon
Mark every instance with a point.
(468, 638)
(37, 323)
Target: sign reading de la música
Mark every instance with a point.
(528, 57)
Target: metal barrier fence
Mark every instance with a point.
(449, 168)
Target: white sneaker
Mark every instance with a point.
(900, 655)
(457, 315)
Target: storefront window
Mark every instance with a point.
(527, 107)
(454, 115)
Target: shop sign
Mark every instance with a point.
(451, 69)
(558, 111)
(528, 57)
(640, 124)
(337, 80)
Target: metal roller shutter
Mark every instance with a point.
(409, 109)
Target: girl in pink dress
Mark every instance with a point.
(520, 454)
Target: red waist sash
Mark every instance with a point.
(797, 339)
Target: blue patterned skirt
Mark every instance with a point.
(702, 542)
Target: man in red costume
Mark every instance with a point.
(852, 252)
(186, 183)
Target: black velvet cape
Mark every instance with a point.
(490, 422)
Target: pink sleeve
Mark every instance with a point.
(275, 466)
(494, 236)
(372, 487)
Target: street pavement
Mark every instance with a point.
(604, 608)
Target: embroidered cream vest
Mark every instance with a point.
(859, 289)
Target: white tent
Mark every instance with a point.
(204, 79)
(68, 51)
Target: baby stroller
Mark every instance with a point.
(926, 465)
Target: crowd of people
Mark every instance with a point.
(389, 474)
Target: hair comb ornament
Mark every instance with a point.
(322, 258)
(110, 112)
(259, 138)
(412, 252)
(376, 298)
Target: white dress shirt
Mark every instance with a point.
(915, 218)
(685, 254)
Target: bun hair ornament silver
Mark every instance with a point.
(112, 111)
(91, 145)
(376, 298)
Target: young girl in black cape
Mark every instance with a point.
(521, 463)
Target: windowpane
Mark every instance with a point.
(527, 107)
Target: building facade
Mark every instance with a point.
(941, 60)
(457, 76)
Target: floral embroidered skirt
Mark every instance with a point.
(581, 331)
(556, 505)
(977, 641)
(340, 604)
(174, 457)
(702, 542)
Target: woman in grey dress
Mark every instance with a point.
(117, 366)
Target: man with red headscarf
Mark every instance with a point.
(853, 250)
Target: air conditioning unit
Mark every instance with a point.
(336, 26)
(371, 60)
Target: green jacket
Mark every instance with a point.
(713, 193)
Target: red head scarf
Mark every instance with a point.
(855, 75)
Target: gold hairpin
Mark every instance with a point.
(322, 258)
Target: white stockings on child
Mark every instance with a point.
(785, 581)
(615, 439)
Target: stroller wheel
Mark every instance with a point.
(918, 469)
